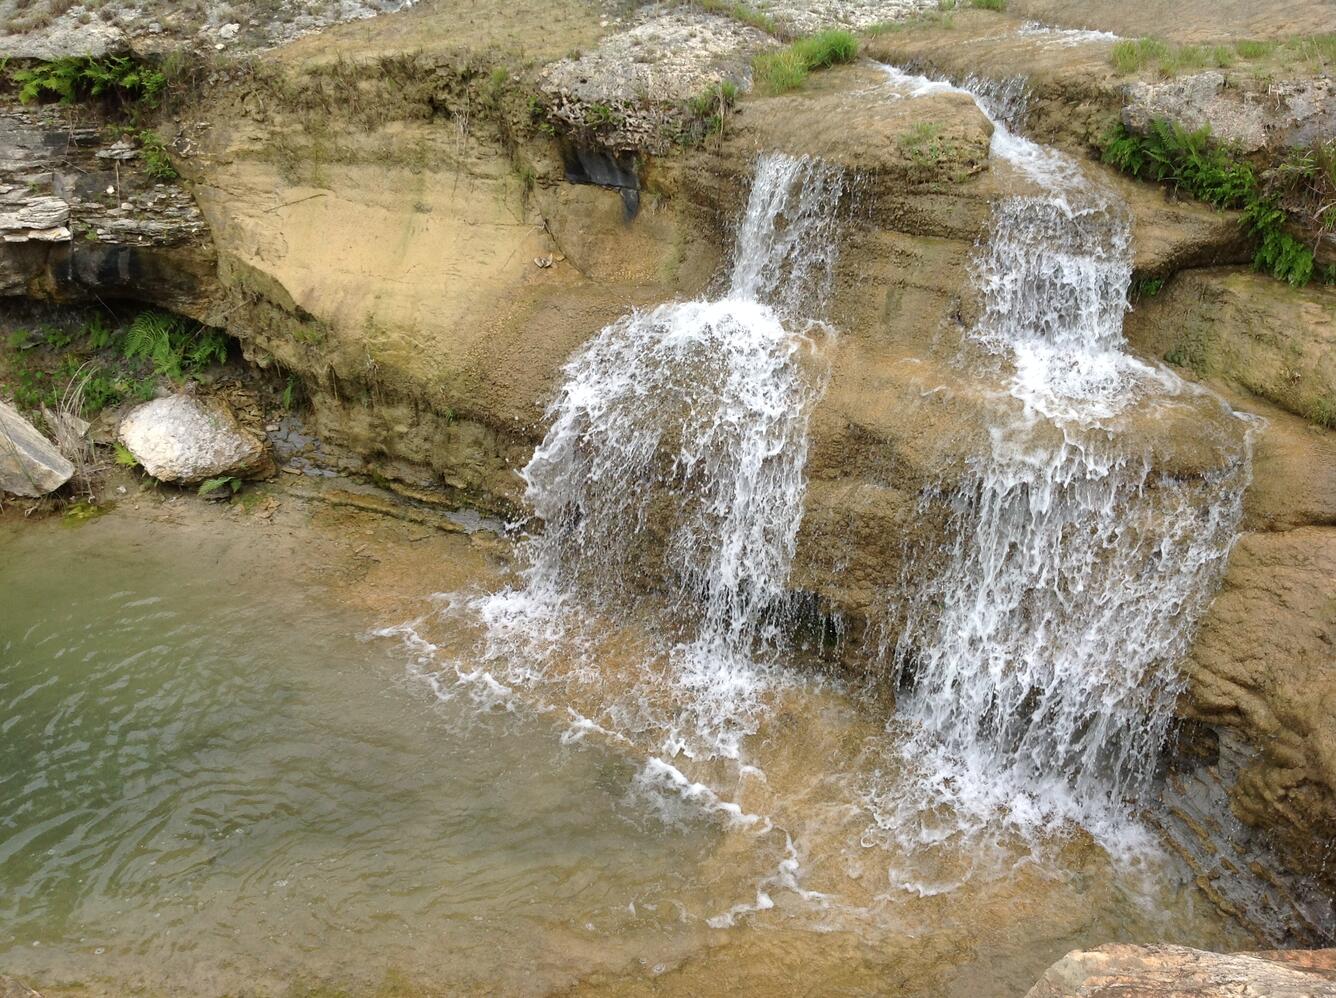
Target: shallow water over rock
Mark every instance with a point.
(206, 787)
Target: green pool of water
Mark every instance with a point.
(212, 782)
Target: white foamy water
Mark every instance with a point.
(1039, 658)
(669, 487)
(1065, 37)
(673, 465)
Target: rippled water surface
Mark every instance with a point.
(212, 783)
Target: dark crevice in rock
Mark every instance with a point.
(619, 171)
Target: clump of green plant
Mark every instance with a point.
(79, 78)
(1146, 287)
(742, 13)
(707, 112)
(599, 116)
(1192, 162)
(785, 70)
(1132, 55)
(41, 364)
(1251, 49)
(1322, 411)
(222, 487)
(157, 161)
(997, 5)
(943, 17)
(779, 72)
(924, 145)
(172, 348)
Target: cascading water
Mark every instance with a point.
(1040, 657)
(672, 471)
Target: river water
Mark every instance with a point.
(214, 780)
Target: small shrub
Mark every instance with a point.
(599, 116)
(168, 344)
(742, 13)
(1322, 411)
(924, 145)
(1146, 287)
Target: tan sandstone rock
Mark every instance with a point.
(1123, 971)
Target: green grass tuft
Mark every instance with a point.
(1137, 54)
(826, 49)
(785, 70)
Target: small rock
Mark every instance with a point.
(187, 439)
(12, 987)
(30, 465)
(229, 31)
(121, 150)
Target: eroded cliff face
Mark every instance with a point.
(393, 219)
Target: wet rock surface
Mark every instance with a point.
(185, 438)
(394, 267)
(1177, 972)
(30, 464)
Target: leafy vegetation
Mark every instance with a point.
(1146, 287)
(785, 70)
(924, 145)
(111, 364)
(79, 78)
(1192, 162)
(157, 162)
(707, 112)
(171, 346)
(223, 487)
(998, 5)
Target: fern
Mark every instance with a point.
(213, 486)
(76, 78)
(1190, 161)
(150, 338)
(208, 347)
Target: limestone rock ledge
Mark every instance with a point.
(1124, 971)
(81, 219)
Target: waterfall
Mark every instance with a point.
(1039, 659)
(672, 471)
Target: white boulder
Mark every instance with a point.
(184, 438)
